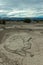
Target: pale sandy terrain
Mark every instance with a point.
(21, 44)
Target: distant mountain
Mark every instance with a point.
(20, 19)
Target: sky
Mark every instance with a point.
(21, 8)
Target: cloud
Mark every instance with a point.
(21, 13)
(3, 11)
(15, 12)
(21, 8)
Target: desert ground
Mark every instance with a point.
(21, 44)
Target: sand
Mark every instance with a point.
(21, 45)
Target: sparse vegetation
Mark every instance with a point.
(27, 20)
(37, 21)
(4, 22)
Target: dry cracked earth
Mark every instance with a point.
(19, 47)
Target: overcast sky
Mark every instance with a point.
(21, 8)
